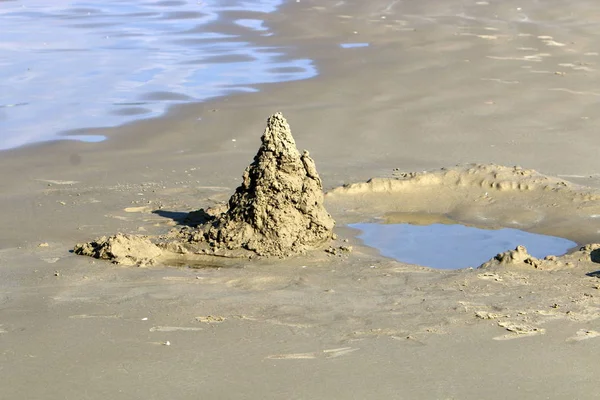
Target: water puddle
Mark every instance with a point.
(449, 245)
(110, 62)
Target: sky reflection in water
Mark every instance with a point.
(454, 246)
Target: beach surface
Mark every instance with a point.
(505, 89)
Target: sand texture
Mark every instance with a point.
(478, 113)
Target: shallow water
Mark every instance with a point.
(456, 246)
(70, 65)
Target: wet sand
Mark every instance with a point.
(439, 84)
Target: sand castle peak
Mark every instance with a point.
(277, 137)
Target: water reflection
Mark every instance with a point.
(67, 65)
(454, 246)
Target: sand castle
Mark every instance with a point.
(277, 211)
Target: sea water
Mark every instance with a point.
(67, 65)
(453, 246)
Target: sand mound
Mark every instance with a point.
(489, 177)
(519, 257)
(487, 196)
(277, 210)
(121, 249)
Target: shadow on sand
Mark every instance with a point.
(192, 219)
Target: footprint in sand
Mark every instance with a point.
(583, 334)
(329, 353)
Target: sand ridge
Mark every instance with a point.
(483, 195)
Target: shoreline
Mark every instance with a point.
(183, 51)
(336, 71)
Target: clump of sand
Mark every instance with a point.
(519, 257)
(121, 249)
(277, 210)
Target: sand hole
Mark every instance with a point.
(453, 246)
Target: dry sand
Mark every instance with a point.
(508, 83)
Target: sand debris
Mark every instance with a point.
(90, 316)
(211, 319)
(121, 249)
(490, 277)
(293, 356)
(489, 315)
(329, 353)
(342, 351)
(518, 256)
(583, 334)
(518, 330)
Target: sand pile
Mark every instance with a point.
(276, 211)
(121, 249)
(520, 258)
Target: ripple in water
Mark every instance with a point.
(67, 65)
